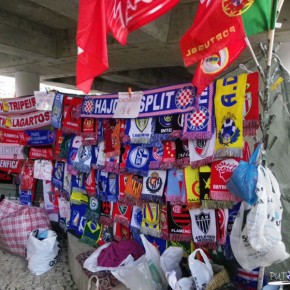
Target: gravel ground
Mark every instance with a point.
(15, 275)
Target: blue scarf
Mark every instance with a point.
(138, 160)
(58, 174)
(57, 108)
(108, 186)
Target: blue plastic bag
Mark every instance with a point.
(244, 179)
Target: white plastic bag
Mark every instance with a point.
(245, 254)
(144, 273)
(201, 272)
(91, 263)
(42, 255)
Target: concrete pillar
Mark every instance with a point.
(284, 54)
(26, 83)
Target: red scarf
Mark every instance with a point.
(71, 121)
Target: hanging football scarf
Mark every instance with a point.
(155, 158)
(201, 151)
(95, 152)
(138, 160)
(78, 183)
(28, 121)
(142, 131)
(122, 213)
(157, 102)
(191, 178)
(11, 166)
(77, 219)
(42, 169)
(222, 216)
(133, 189)
(82, 161)
(175, 192)
(92, 233)
(18, 105)
(26, 177)
(153, 186)
(203, 227)
(73, 151)
(100, 131)
(101, 159)
(159, 243)
(251, 105)
(107, 235)
(151, 220)
(182, 153)
(198, 124)
(121, 232)
(112, 164)
(6, 178)
(107, 213)
(179, 223)
(90, 183)
(93, 211)
(25, 197)
(41, 153)
(221, 171)
(169, 155)
(111, 139)
(89, 131)
(135, 223)
(71, 122)
(56, 114)
(204, 184)
(123, 158)
(11, 136)
(229, 102)
(57, 142)
(107, 186)
(11, 151)
(122, 185)
(48, 197)
(67, 181)
(65, 146)
(39, 137)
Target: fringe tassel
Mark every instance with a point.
(176, 134)
(111, 167)
(108, 221)
(155, 165)
(193, 205)
(251, 123)
(136, 171)
(229, 152)
(122, 220)
(202, 162)
(250, 131)
(182, 163)
(89, 139)
(151, 232)
(209, 245)
(167, 165)
(215, 204)
(196, 135)
(175, 200)
(164, 235)
(130, 200)
(152, 198)
(112, 153)
(180, 238)
(220, 196)
(82, 167)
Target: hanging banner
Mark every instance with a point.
(25, 122)
(41, 153)
(11, 166)
(157, 102)
(11, 151)
(17, 105)
(44, 100)
(5, 178)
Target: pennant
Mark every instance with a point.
(229, 101)
(89, 131)
(213, 28)
(57, 108)
(209, 68)
(71, 122)
(204, 184)
(91, 40)
(18, 105)
(191, 178)
(138, 160)
(204, 229)
(251, 106)
(201, 151)
(28, 121)
(175, 191)
(153, 186)
(199, 124)
(151, 220)
(41, 153)
(107, 186)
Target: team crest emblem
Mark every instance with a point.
(157, 153)
(216, 62)
(234, 8)
(139, 156)
(137, 184)
(84, 153)
(94, 203)
(185, 97)
(165, 121)
(88, 106)
(226, 167)
(198, 119)
(202, 221)
(122, 209)
(180, 215)
(138, 216)
(229, 133)
(141, 124)
(154, 182)
(201, 146)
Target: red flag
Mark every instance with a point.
(214, 27)
(92, 43)
(124, 16)
(209, 68)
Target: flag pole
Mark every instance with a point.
(255, 59)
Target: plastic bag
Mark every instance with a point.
(244, 179)
(42, 251)
(245, 254)
(201, 272)
(144, 273)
